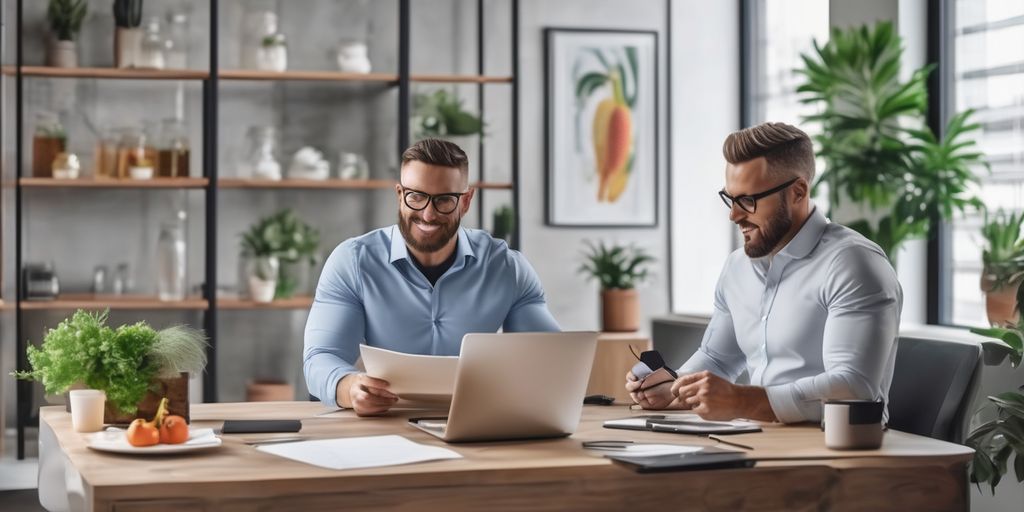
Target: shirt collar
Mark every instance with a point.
(399, 251)
(807, 238)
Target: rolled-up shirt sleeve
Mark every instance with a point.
(336, 325)
(863, 299)
(719, 351)
(529, 312)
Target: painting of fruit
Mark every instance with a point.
(601, 131)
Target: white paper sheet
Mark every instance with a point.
(694, 424)
(359, 452)
(411, 375)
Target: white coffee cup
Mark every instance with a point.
(87, 409)
(853, 424)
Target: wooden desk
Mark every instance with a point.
(611, 362)
(907, 473)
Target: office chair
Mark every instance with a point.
(933, 385)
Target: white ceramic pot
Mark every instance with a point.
(62, 54)
(127, 43)
(262, 290)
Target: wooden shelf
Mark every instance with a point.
(305, 184)
(109, 73)
(463, 79)
(330, 184)
(114, 183)
(235, 303)
(324, 76)
(92, 301)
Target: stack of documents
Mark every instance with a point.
(359, 452)
(412, 376)
(687, 423)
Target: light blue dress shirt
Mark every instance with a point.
(819, 320)
(371, 292)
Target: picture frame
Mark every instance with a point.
(601, 127)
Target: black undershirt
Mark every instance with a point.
(434, 273)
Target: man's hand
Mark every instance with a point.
(715, 398)
(656, 397)
(364, 394)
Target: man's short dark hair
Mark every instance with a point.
(787, 149)
(437, 152)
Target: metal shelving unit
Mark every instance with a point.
(211, 183)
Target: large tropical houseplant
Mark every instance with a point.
(878, 151)
(1002, 437)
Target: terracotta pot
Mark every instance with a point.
(620, 310)
(176, 391)
(999, 303)
(269, 391)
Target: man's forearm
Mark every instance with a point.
(344, 396)
(756, 404)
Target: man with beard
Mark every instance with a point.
(415, 287)
(808, 309)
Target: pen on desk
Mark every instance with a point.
(730, 443)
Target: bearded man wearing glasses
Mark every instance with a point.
(807, 308)
(416, 287)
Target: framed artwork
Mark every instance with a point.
(601, 127)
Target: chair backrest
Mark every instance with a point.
(933, 385)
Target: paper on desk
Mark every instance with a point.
(692, 423)
(411, 375)
(359, 452)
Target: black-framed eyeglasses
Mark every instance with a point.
(443, 203)
(748, 203)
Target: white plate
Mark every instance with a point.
(114, 440)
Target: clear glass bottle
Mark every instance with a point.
(48, 141)
(105, 158)
(151, 51)
(135, 155)
(176, 44)
(170, 262)
(261, 157)
(173, 149)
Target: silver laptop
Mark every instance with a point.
(516, 386)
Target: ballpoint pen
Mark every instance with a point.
(730, 443)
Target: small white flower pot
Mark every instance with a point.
(62, 54)
(127, 44)
(262, 290)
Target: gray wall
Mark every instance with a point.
(556, 252)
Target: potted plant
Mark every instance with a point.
(280, 248)
(995, 441)
(441, 115)
(65, 18)
(134, 365)
(127, 34)
(1002, 265)
(618, 269)
(504, 223)
(879, 152)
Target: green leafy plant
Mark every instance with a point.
(128, 13)
(1003, 252)
(66, 17)
(441, 114)
(878, 151)
(504, 222)
(286, 237)
(615, 266)
(995, 441)
(122, 362)
(273, 40)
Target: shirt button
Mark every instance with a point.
(764, 318)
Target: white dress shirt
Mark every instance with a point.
(817, 321)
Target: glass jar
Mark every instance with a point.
(48, 141)
(135, 155)
(170, 262)
(176, 44)
(261, 160)
(105, 157)
(173, 150)
(151, 50)
(271, 50)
